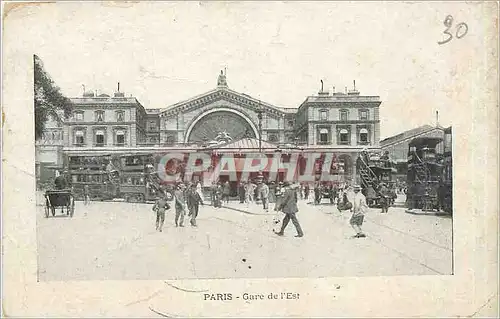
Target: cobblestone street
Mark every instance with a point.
(117, 240)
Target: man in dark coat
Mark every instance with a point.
(289, 206)
(61, 182)
(385, 198)
(194, 200)
(180, 205)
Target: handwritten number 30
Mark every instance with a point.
(461, 29)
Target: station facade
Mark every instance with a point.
(343, 123)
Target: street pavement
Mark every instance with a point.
(118, 241)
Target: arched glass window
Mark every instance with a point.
(363, 135)
(323, 135)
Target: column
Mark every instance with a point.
(355, 177)
(354, 135)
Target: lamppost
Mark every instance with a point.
(278, 151)
(259, 116)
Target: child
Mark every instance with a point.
(358, 212)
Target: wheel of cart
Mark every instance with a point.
(62, 199)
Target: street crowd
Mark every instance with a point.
(187, 199)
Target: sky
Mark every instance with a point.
(163, 53)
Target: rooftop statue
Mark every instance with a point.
(221, 80)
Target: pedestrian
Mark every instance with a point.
(161, 205)
(289, 207)
(241, 192)
(385, 198)
(86, 195)
(225, 192)
(358, 211)
(344, 204)
(250, 192)
(193, 201)
(306, 191)
(264, 195)
(317, 194)
(218, 195)
(180, 205)
(278, 194)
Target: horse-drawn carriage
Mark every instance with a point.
(59, 199)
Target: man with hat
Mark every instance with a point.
(180, 205)
(289, 206)
(194, 200)
(384, 197)
(358, 211)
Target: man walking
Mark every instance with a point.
(289, 207)
(384, 198)
(358, 212)
(264, 195)
(193, 201)
(180, 205)
(160, 206)
(249, 191)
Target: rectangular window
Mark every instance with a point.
(120, 138)
(79, 116)
(323, 136)
(99, 138)
(79, 138)
(153, 126)
(344, 115)
(323, 115)
(344, 136)
(99, 116)
(120, 116)
(363, 136)
(363, 115)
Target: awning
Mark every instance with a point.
(363, 130)
(79, 133)
(343, 131)
(323, 131)
(120, 132)
(99, 132)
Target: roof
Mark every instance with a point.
(408, 134)
(221, 93)
(245, 143)
(425, 141)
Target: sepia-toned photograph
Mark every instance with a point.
(148, 171)
(207, 141)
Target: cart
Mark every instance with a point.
(59, 198)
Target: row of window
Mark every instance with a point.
(343, 137)
(99, 137)
(363, 115)
(99, 116)
(87, 178)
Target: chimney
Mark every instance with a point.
(346, 90)
(322, 92)
(118, 87)
(333, 90)
(354, 81)
(437, 118)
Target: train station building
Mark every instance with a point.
(222, 119)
